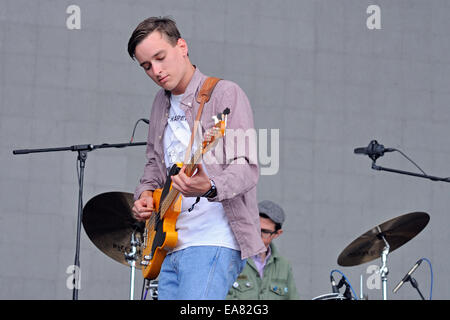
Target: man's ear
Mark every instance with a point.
(279, 232)
(181, 43)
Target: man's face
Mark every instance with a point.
(268, 232)
(164, 63)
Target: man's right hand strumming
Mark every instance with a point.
(143, 207)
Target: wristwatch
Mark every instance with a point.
(211, 193)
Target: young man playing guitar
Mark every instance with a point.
(218, 224)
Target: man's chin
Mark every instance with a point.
(167, 86)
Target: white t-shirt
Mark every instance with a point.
(207, 223)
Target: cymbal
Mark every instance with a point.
(109, 224)
(370, 245)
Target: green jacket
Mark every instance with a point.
(278, 282)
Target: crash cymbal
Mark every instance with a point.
(397, 232)
(109, 223)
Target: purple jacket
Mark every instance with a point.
(232, 164)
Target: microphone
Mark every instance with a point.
(374, 150)
(333, 285)
(407, 276)
(145, 120)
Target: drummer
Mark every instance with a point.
(267, 276)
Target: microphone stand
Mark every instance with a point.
(375, 150)
(415, 286)
(82, 150)
(420, 175)
(347, 294)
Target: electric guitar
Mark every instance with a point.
(160, 234)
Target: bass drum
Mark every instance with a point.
(330, 296)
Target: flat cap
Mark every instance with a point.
(272, 210)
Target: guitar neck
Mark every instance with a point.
(192, 164)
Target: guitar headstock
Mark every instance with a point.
(217, 132)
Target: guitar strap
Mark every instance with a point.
(203, 96)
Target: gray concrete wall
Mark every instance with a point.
(312, 69)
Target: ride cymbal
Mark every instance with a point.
(370, 245)
(109, 224)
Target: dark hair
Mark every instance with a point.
(277, 225)
(165, 25)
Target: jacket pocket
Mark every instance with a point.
(243, 290)
(279, 289)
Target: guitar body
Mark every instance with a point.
(162, 236)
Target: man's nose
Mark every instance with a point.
(156, 69)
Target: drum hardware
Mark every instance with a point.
(150, 286)
(330, 296)
(381, 240)
(384, 269)
(131, 259)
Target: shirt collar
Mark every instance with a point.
(267, 257)
(192, 88)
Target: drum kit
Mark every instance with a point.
(378, 242)
(110, 225)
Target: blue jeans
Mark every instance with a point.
(199, 273)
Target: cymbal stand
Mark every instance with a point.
(384, 269)
(131, 259)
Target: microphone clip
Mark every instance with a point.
(375, 150)
(347, 294)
